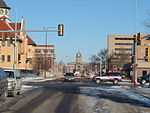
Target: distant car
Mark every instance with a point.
(14, 81)
(114, 77)
(69, 76)
(3, 85)
(144, 79)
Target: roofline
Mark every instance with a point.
(45, 45)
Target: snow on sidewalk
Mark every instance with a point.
(36, 79)
(93, 96)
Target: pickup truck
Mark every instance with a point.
(114, 77)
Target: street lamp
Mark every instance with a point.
(46, 49)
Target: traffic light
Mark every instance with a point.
(139, 37)
(147, 54)
(19, 58)
(60, 30)
(132, 59)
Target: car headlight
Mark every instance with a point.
(11, 84)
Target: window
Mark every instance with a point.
(51, 50)
(8, 43)
(49, 58)
(3, 42)
(123, 43)
(3, 58)
(8, 58)
(38, 58)
(45, 50)
(123, 38)
(120, 49)
(38, 50)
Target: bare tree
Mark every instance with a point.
(111, 61)
(146, 23)
(100, 57)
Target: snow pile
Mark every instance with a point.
(36, 79)
(32, 78)
(25, 87)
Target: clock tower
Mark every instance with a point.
(4, 11)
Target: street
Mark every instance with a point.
(81, 96)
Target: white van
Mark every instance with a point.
(14, 81)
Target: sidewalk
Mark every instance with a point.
(141, 90)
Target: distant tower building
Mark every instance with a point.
(78, 57)
(4, 11)
(78, 65)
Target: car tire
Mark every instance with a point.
(97, 81)
(115, 81)
(18, 92)
(3, 96)
(143, 82)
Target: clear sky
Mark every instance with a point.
(87, 22)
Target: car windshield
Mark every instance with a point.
(69, 74)
(9, 74)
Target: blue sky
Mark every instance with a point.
(87, 22)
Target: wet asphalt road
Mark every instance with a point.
(58, 96)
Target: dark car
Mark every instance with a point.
(144, 79)
(3, 85)
(69, 76)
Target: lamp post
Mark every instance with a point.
(46, 49)
(134, 78)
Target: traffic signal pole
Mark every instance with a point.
(60, 31)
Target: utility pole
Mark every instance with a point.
(134, 78)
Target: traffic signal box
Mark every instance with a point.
(137, 38)
(147, 54)
(132, 59)
(60, 30)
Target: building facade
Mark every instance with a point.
(45, 59)
(78, 65)
(124, 45)
(17, 50)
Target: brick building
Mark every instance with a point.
(45, 58)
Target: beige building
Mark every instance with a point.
(124, 44)
(78, 65)
(17, 50)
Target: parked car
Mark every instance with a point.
(69, 76)
(144, 79)
(14, 81)
(28, 73)
(114, 77)
(3, 85)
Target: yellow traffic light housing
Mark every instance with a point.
(60, 30)
(139, 37)
(147, 54)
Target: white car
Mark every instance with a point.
(14, 81)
